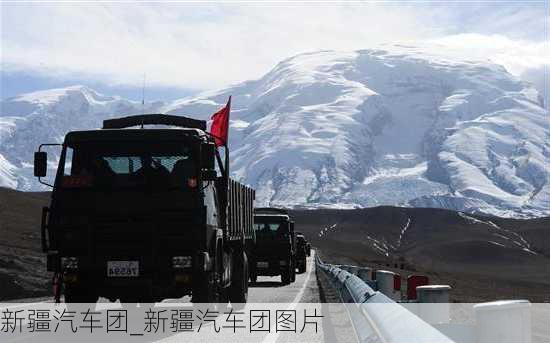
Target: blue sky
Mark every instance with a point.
(13, 83)
(185, 48)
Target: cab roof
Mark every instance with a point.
(123, 128)
(136, 134)
(154, 119)
(271, 215)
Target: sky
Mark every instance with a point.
(185, 48)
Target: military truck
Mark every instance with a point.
(301, 252)
(144, 214)
(275, 250)
(307, 244)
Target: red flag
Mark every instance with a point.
(220, 124)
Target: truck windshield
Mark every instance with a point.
(268, 228)
(128, 165)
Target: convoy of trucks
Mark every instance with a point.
(144, 214)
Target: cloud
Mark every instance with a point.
(207, 46)
(540, 78)
(516, 55)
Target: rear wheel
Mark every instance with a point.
(202, 288)
(302, 266)
(286, 275)
(238, 293)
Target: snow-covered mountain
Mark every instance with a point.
(396, 125)
(28, 120)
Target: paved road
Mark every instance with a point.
(270, 289)
(266, 290)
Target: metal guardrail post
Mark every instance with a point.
(389, 283)
(503, 321)
(435, 299)
(364, 274)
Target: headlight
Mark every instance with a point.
(180, 262)
(69, 262)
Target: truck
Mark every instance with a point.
(144, 214)
(301, 252)
(275, 250)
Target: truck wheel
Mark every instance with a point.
(79, 294)
(202, 289)
(285, 276)
(293, 272)
(238, 293)
(302, 267)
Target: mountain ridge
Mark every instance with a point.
(393, 126)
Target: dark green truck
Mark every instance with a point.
(302, 251)
(275, 250)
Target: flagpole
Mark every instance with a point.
(227, 139)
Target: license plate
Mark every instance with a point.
(122, 268)
(262, 264)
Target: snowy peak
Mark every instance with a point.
(30, 119)
(7, 177)
(397, 125)
(50, 96)
(61, 100)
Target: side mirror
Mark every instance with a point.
(209, 175)
(208, 156)
(40, 163)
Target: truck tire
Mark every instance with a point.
(207, 291)
(293, 272)
(238, 293)
(286, 275)
(79, 294)
(252, 271)
(202, 288)
(302, 266)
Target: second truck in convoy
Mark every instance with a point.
(275, 250)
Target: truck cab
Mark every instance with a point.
(142, 215)
(275, 249)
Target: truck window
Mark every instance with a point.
(266, 227)
(124, 165)
(68, 161)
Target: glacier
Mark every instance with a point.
(393, 125)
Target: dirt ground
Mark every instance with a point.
(482, 258)
(456, 254)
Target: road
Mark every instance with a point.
(267, 292)
(270, 289)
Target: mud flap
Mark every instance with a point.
(56, 287)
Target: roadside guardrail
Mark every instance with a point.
(379, 314)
